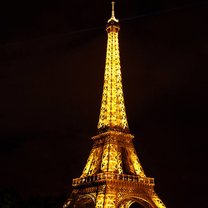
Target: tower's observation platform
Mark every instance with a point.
(115, 177)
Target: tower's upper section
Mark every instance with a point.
(112, 112)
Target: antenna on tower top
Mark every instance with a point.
(113, 13)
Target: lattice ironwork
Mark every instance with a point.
(110, 200)
(93, 162)
(111, 160)
(134, 163)
(158, 202)
(100, 200)
(113, 176)
(112, 112)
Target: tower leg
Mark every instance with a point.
(157, 201)
(105, 200)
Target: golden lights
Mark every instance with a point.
(113, 176)
(112, 112)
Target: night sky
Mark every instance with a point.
(52, 58)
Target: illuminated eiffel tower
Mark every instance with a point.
(113, 176)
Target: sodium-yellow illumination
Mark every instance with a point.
(112, 112)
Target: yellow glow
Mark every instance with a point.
(110, 201)
(100, 200)
(106, 200)
(111, 159)
(89, 162)
(113, 176)
(112, 112)
(135, 165)
(158, 202)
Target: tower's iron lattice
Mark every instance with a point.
(113, 176)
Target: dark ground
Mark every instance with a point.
(52, 57)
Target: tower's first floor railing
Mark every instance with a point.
(112, 176)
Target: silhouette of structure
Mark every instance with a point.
(113, 176)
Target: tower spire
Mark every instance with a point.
(112, 112)
(113, 13)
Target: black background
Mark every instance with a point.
(52, 58)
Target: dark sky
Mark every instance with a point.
(52, 57)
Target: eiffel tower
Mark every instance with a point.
(113, 176)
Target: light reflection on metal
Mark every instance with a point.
(113, 176)
(112, 112)
(157, 201)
